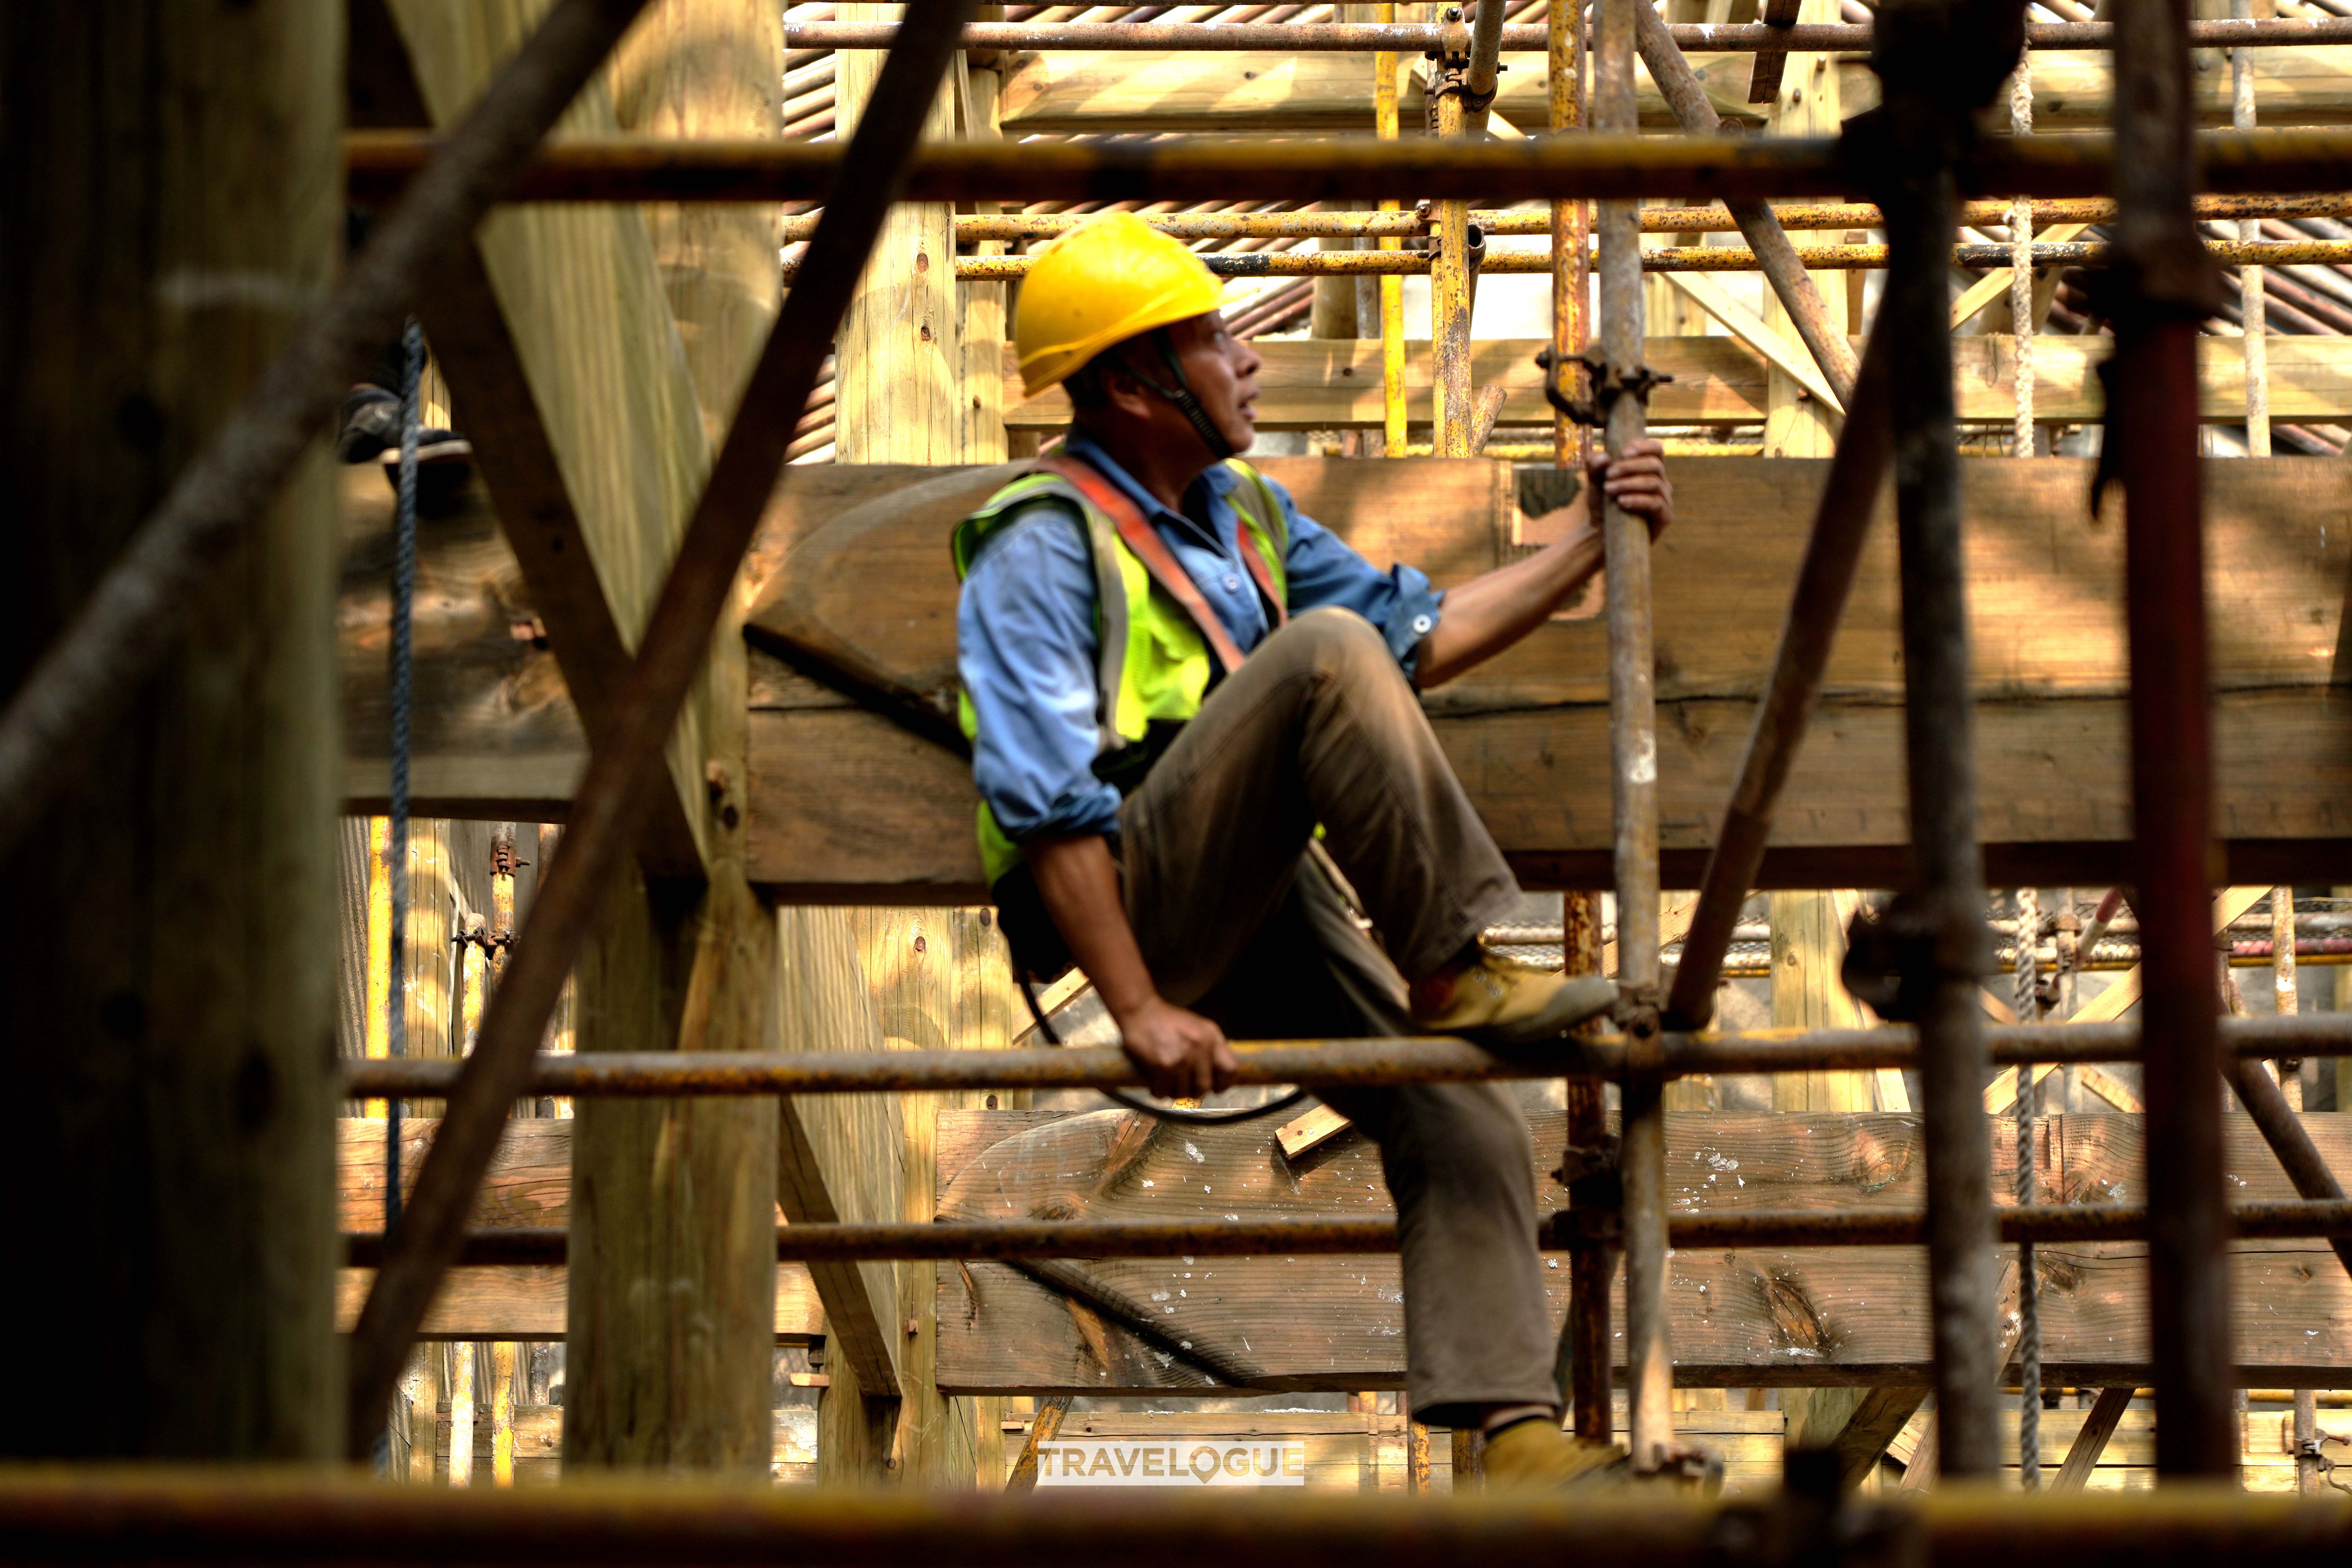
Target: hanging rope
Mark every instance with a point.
(2029, 1324)
(404, 603)
(2021, 269)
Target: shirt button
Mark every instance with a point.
(1233, 583)
(1421, 624)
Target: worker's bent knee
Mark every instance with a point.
(1332, 637)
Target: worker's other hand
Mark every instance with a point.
(1637, 481)
(1182, 1055)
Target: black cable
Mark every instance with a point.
(1176, 1113)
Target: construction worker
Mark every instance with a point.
(1172, 680)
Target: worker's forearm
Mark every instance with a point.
(1489, 612)
(1078, 881)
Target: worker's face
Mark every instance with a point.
(1223, 371)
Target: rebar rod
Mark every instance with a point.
(2163, 285)
(1939, 60)
(625, 765)
(1832, 553)
(946, 1240)
(1419, 38)
(1767, 241)
(1621, 391)
(130, 622)
(1620, 166)
(1350, 1063)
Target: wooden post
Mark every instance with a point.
(672, 1308)
(173, 202)
(982, 393)
(1795, 423)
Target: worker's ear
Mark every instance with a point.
(1123, 391)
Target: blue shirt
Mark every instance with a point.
(1026, 639)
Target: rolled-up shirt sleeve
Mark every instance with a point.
(1025, 647)
(1324, 569)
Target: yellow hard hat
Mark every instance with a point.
(1111, 278)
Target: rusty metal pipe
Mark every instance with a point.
(1364, 37)
(1355, 1064)
(2284, 1130)
(1565, 1230)
(1403, 225)
(1832, 551)
(2164, 284)
(1767, 241)
(1480, 78)
(1621, 166)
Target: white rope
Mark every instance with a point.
(2029, 1313)
(2021, 261)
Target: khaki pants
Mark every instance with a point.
(1238, 919)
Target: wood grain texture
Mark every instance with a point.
(576, 329)
(845, 801)
(172, 208)
(1086, 92)
(1819, 1317)
(1317, 385)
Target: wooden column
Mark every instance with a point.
(901, 350)
(673, 1273)
(1795, 423)
(173, 202)
(981, 395)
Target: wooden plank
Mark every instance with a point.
(1324, 384)
(565, 364)
(539, 1445)
(845, 801)
(1085, 92)
(1825, 1318)
(526, 1301)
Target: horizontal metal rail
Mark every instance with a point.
(1192, 168)
(951, 1240)
(1354, 1064)
(1408, 37)
(1673, 258)
(276, 1518)
(971, 229)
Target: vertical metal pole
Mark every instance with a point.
(2164, 284)
(1923, 52)
(1571, 224)
(2251, 314)
(1449, 283)
(1587, 1351)
(1634, 757)
(1385, 124)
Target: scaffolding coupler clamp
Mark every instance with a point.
(1608, 384)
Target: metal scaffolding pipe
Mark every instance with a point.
(1621, 392)
(1409, 37)
(1769, 246)
(1824, 578)
(1357, 1064)
(1939, 59)
(1564, 1230)
(1415, 225)
(2282, 1127)
(1482, 74)
(2163, 285)
(1621, 166)
(1682, 258)
(1450, 279)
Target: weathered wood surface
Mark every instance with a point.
(1076, 92)
(1815, 1318)
(1323, 384)
(844, 800)
(539, 1445)
(529, 1187)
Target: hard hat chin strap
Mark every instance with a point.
(1180, 395)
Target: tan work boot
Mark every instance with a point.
(1535, 1455)
(1507, 1003)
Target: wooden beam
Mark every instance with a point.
(846, 804)
(1079, 92)
(1814, 1319)
(2099, 1423)
(565, 366)
(1324, 385)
